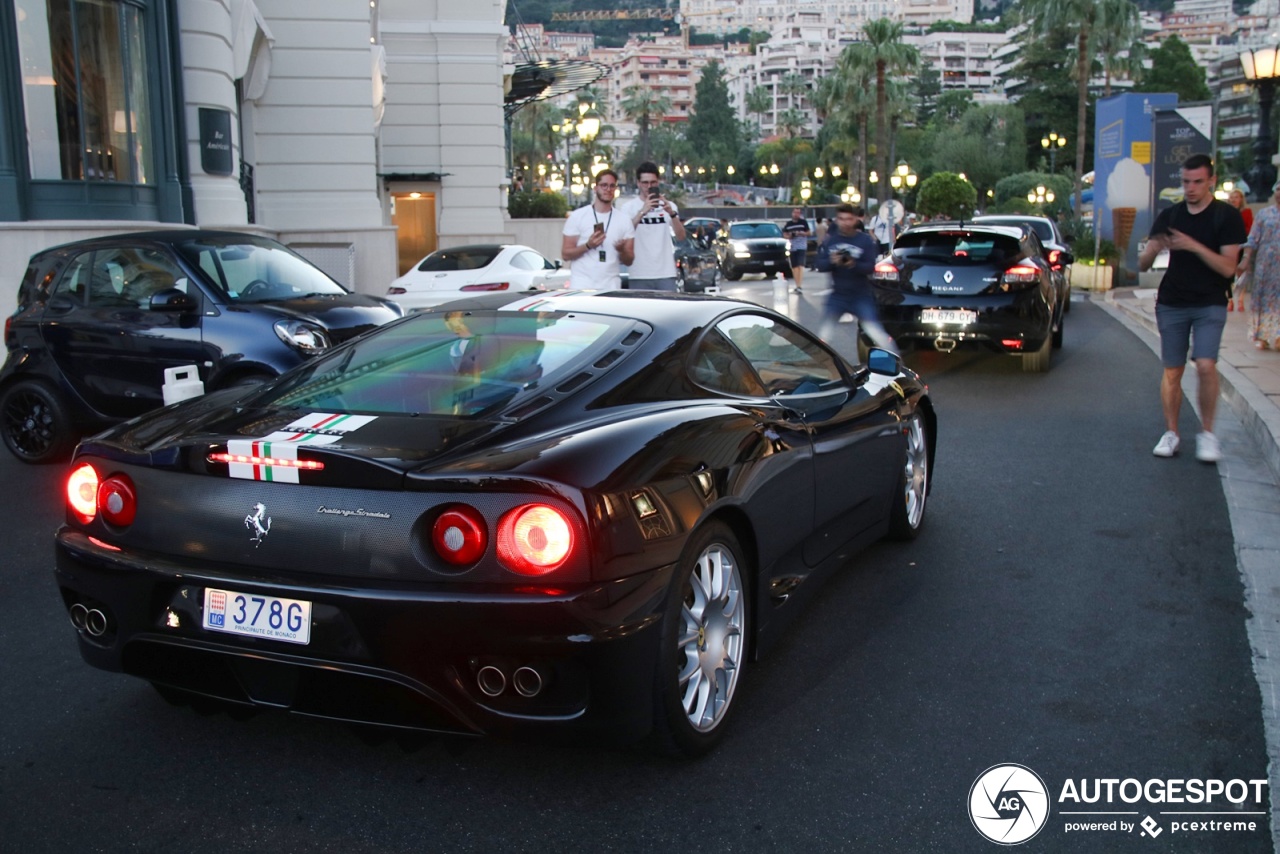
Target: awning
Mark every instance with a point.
(538, 81)
(251, 42)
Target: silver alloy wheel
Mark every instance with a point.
(711, 637)
(916, 480)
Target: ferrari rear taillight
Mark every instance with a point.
(1020, 276)
(885, 272)
(491, 286)
(117, 502)
(459, 535)
(82, 493)
(1055, 258)
(534, 539)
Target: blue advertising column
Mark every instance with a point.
(1122, 159)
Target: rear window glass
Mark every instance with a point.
(1043, 230)
(749, 230)
(957, 246)
(459, 258)
(454, 363)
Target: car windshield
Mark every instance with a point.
(249, 269)
(955, 247)
(1042, 229)
(459, 258)
(449, 363)
(749, 230)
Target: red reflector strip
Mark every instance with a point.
(308, 465)
(495, 286)
(100, 544)
(1011, 343)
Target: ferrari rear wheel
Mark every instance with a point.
(909, 504)
(704, 643)
(35, 423)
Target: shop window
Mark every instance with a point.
(84, 80)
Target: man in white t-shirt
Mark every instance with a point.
(598, 239)
(655, 220)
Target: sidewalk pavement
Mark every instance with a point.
(1250, 471)
(1250, 377)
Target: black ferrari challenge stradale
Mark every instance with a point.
(578, 513)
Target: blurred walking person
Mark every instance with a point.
(1236, 199)
(1261, 264)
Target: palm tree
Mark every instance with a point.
(846, 97)
(885, 51)
(1085, 19)
(757, 103)
(642, 105)
(791, 122)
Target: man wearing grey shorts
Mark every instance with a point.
(1203, 236)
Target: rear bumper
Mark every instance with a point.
(1006, 323)
(406, 656)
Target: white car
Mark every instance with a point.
(462, 271)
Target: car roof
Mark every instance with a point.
(649, 306)
(162, 235)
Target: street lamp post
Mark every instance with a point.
(1053, 142)
(900, 178)
(1040, 195)
(1261, 69)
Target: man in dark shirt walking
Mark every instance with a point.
(797, 233)
(849, 254)
(1203, 237)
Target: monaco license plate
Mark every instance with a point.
(257, 616)
(948, 316)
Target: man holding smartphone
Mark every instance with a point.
(655, 220)
(1203, 237)
(598, 240)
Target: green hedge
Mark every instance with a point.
(535, 204)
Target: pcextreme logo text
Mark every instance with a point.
(1010, 803)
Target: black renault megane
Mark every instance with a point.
(564, 514)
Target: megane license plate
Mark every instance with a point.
(257, 616)
(948, 316)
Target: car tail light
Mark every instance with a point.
(1020, 277)
(117, 501)
(534, 539)
(492, 286)
(459, 535)
(1055, 258)
(82, 493)
(885, 272)
(1011, 343)
(395, 292)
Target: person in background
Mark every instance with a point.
(1261, 264)
(655, 220)
(598, 240)
(1203, 236)
(797, 233)
(849, 254)
(1236, 199)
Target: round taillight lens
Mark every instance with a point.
(82, 493)
(459, 535)
(117, 502)
(534, 539)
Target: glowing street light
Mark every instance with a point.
(1053, 142)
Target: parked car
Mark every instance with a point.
(460, 271)
(571, 514)
(1057, 253)
(99, 321)
(697, 269)
(710, 227)
(949, 285)
(753, 246)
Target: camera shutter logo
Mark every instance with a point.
(1008, 804)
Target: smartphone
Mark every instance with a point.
(598, 227)
(653, 192)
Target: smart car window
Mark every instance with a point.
(75, 281)
(786, 360)
(455, 363)
(130, 276)
(250, 271)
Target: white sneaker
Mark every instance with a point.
(1207, 448)
(1168, 444)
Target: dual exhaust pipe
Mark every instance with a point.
(492, 681)
(91, 621)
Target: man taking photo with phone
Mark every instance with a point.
(655, 220)
(598, 240)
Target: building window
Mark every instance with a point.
(84, 81)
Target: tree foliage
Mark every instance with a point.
(987, 143)
(946, 194)
(1174, 69)
(712, 122)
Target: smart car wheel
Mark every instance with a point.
(913, 484)
(704, 643)
(35, 423)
